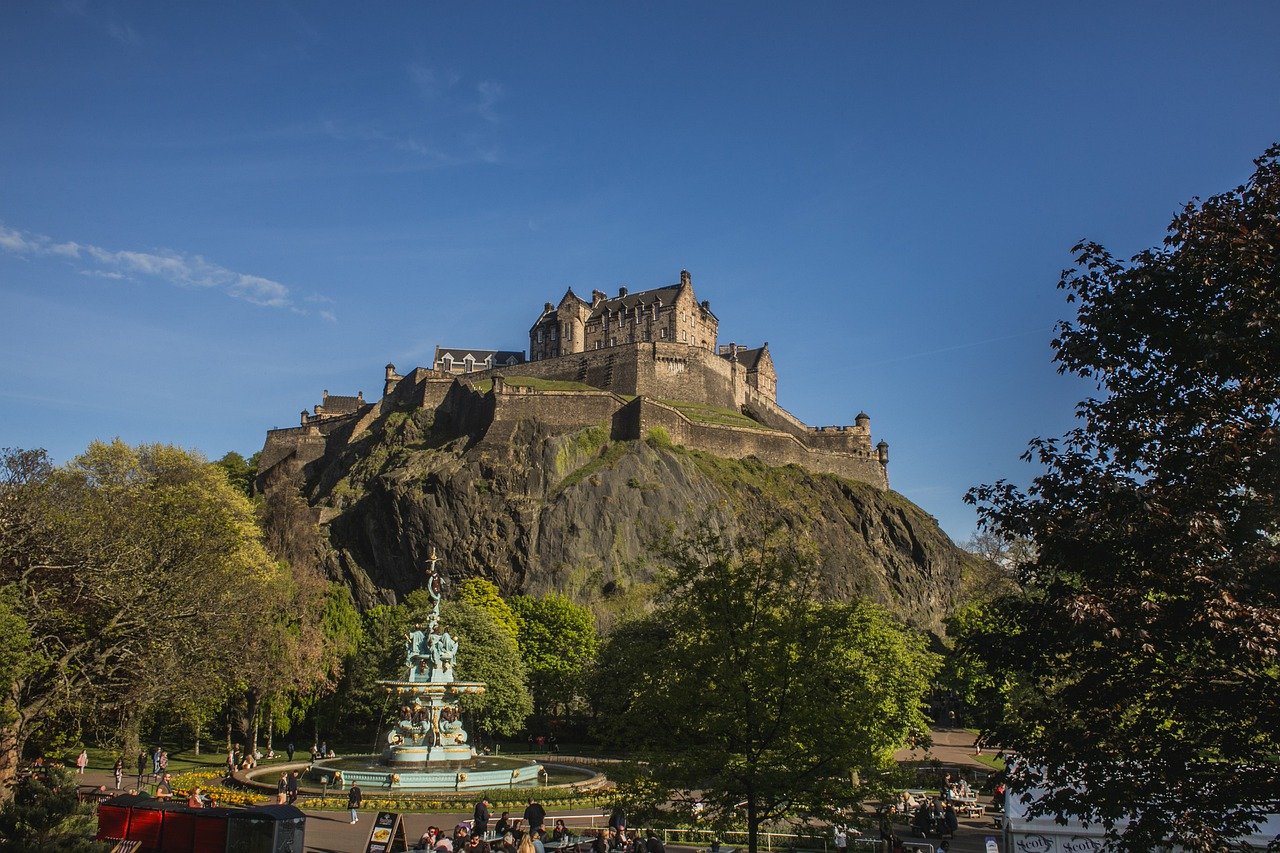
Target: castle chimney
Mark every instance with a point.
(547, 307)
(622, 291)
(597, 296)
(325, 395)
(685, 278)
(360, 396)
(706, 305)
(304, 418)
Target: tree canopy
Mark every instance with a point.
(1140, 665)
(132, 569)
(748, 687)
(558, 642)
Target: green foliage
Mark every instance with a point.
(44, 815)
(488, 653)
(240, 472)
(659, 439)
(1140, 659)
(127, 555)
(558, 642)
(18, 656)
(609, 455)
(748, 688)
(484, 594)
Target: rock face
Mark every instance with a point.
(536, 511)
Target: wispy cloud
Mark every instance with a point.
(124, 33)
(488, 93)
(167, 265)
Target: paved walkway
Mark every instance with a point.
(332, 832)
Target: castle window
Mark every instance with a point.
(539, 336)
(646, 333)
(662, 333)
(613, 342)
(599, 344)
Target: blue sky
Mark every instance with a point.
(209, 213)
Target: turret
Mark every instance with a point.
(882, 450)
(862, 421)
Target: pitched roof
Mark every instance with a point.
(336, 404)
(748, 358)
(644, 297)
(479, 355)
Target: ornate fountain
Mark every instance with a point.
(428, 748)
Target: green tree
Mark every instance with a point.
(133, 570)
(488, 653)
(558, 641)
(1140, 661)
(483, 593)
(240, 472)
(747, 686)
(45, 815)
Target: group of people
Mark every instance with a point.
(287, 788)
(528, 834)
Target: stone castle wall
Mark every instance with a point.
(638, 377)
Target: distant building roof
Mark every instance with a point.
(337, 404)
(491, 357)
(667, 295)
(747, 357)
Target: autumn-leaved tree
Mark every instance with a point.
(1140, 666)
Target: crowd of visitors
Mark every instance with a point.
(528, 834)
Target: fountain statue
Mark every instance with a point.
(428, 748)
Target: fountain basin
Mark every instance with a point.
(484, 772)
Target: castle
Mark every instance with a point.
(636, 361)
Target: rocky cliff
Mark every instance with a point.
(535, 511)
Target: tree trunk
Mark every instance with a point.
(196, 731)
(10, 753)
(252, 748)
(753, 825)
(271, 730)
(228, 732)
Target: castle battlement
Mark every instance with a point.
(635, 361)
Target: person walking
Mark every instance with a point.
(534, 816)
(480, 818)
(291, 788)
(82, 761)
(142, 767)
(353, 802)
(155, 761)
(282, 789)
(289, 750)
(118, 771)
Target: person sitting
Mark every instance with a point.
(559, 832)
(194, 800)
(920, 822)
(476, 844)
(503, 826)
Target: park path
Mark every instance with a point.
(332, 832)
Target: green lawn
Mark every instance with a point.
(702, 413)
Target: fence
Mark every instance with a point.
(784, 841)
